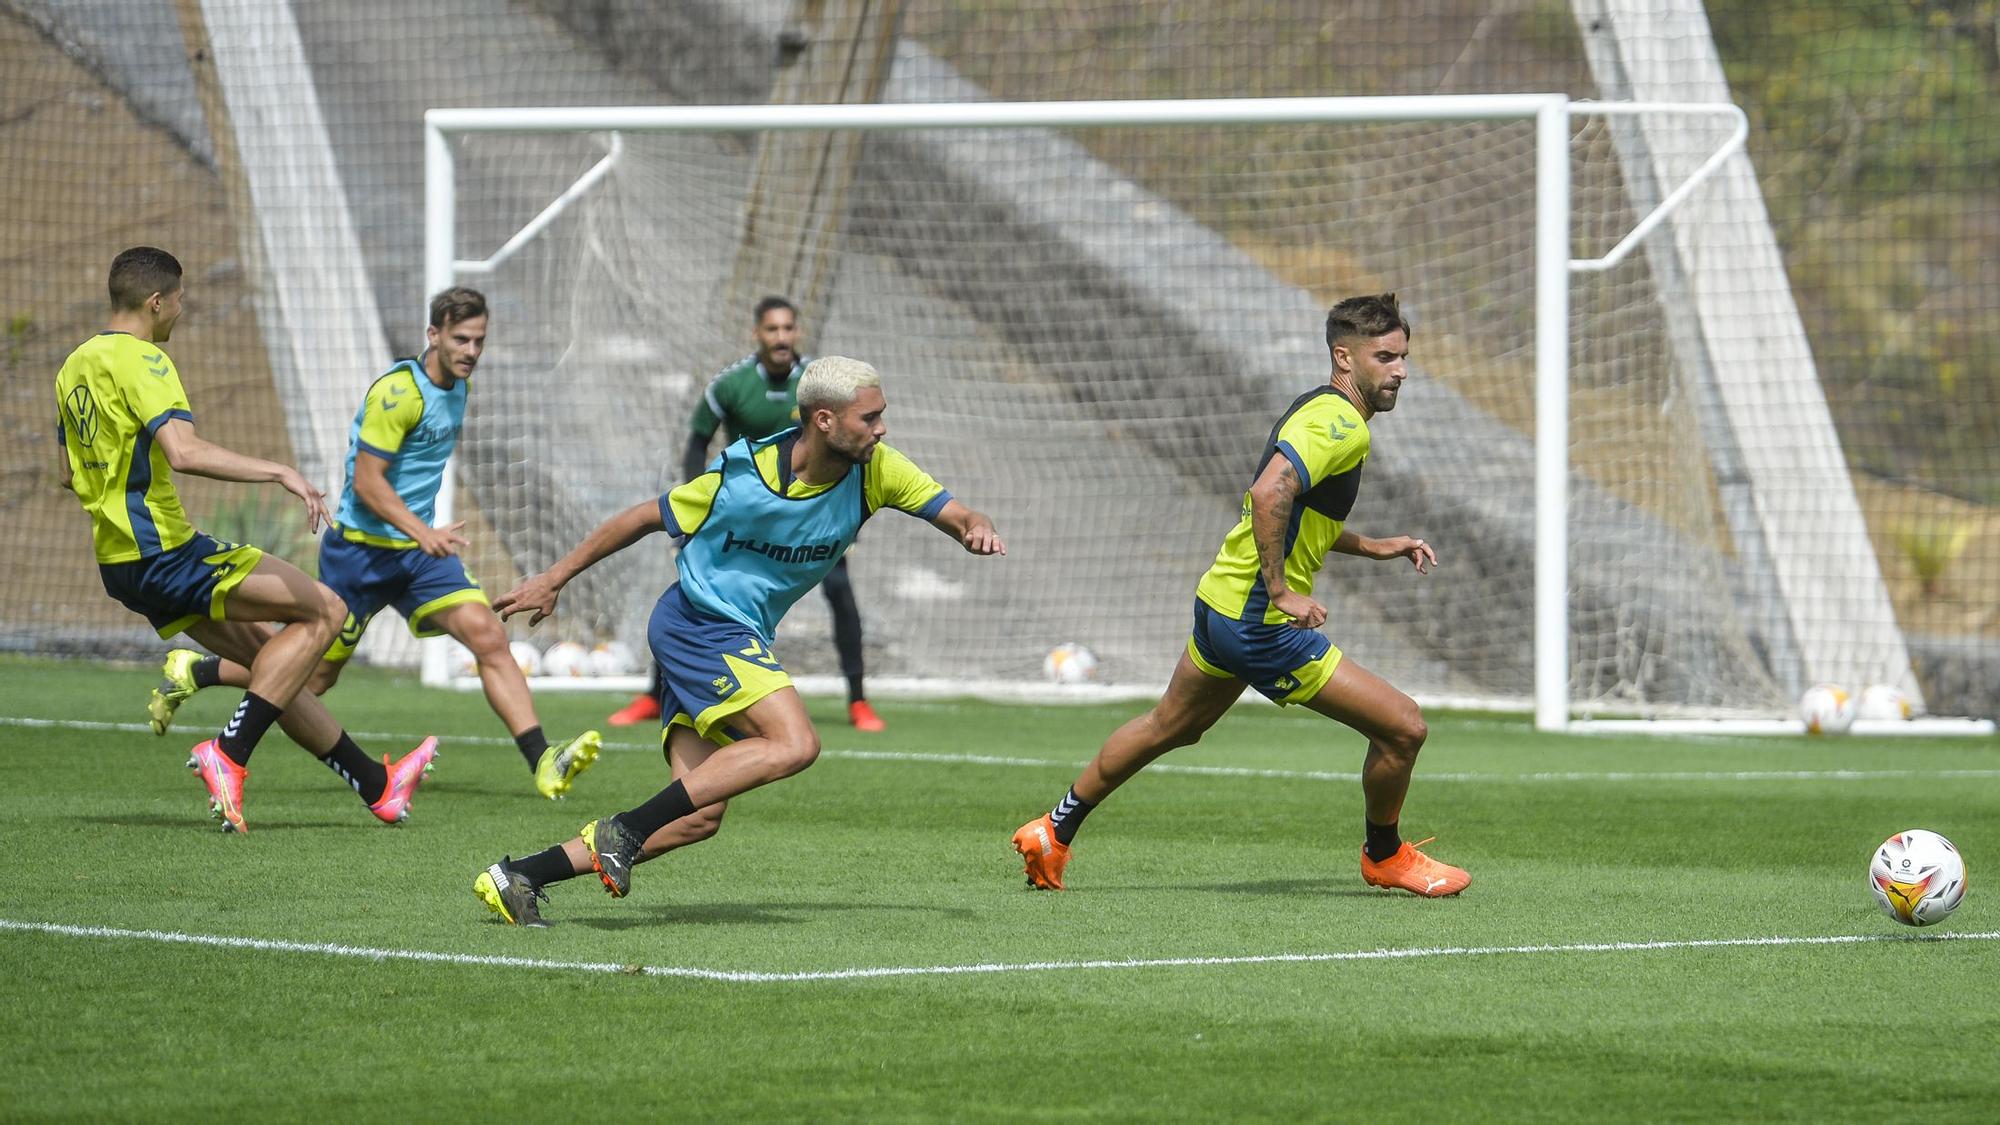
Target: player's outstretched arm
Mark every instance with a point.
(538, 594)
(1396, 547)
(694, 458)
(972, 529)
(190, 453)
(372, 488)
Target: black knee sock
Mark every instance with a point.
(1383, 840)
(369, 777)
(854, 692)
(1068, 816)
(207, 672)
(531, 743)
(253, 717)
(545, 867)
(668, 805)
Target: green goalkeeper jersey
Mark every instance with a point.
(748, 402)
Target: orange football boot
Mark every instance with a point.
(864, 717)
(1044, 856)
(1415, 872)
(642, 708)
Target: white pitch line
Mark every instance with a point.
(1172, 768)
(743, 976)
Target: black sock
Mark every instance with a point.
(253, 717)
(368, 776)
(854, 692)
(1068, 816)
(666, 806)
(1383, 841)
(545, 867)
(531, 743)
(207, 672)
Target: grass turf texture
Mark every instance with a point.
(866, 862)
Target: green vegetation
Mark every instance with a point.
(1876, 135)
(865, 862)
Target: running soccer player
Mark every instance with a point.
(1257, 623)
(762, 526)
(755, 397)
(381, 549)
(126, 427)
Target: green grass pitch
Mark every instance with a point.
(1216, 958)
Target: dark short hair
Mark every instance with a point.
(765, 306)
(1365, 318)
(140, 272)
(455, 304)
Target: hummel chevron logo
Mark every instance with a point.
(157, 364)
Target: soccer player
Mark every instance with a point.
(755, 397)
(765, 523)
(381, 549)
(126, 427)
(1256, 621)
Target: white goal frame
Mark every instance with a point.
(1551, 114)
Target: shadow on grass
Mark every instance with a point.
(1317, 888)
(200, 822)
(747, 913)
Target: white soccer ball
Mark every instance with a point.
(1069, 664)
(1826, 709)
(612, 658)
(1880, 701)
(527, 658)
(566, 659)
(1917, 877)
(458, 660)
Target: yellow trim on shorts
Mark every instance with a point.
(356, 535)
(173, 628)
(1314, 678)
(1207, 669)
(683, 719)
(753, 682)
(471, 595)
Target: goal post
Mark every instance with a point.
(1551, 119)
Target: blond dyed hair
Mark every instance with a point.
(832, 381)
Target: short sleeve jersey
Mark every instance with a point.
(745, 401)
(113, 394)
(1326, 439)
(413, 424)
(755, 538)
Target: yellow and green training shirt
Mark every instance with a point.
(113, 394)
(1326, 439)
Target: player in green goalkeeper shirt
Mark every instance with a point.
(755, 397)
(382, 550)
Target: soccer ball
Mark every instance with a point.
(566, 659)
(1917, 877)
(612, 658)
(459, 661)
(1069, 664)
(1880, 701)
(1826, 709)
(527, 657)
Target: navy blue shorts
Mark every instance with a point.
(368, 577)
(710, 667)
(1284, 664)
(174, 589)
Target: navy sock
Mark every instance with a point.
(207, 672)
(1383, 841)
(666, 806)
(545, 867)
(246, 728)
(368, 776)
(1068, 816)
(531, 743)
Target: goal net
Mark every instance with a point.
(1087, 332)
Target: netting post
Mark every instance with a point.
(1552, 415)
(440, 223)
